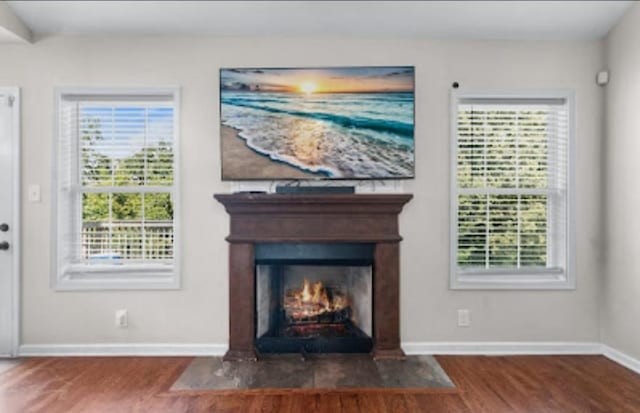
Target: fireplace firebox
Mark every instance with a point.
(314, 298)
(358, 240)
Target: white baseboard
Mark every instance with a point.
(502, 348)
(621, 358)
(153, 349)
(121, 349)
(442, 348)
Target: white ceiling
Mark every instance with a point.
(440, 19)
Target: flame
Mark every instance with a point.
(314, 295)
(312, 300)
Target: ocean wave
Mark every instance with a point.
(291, 160)
(314, 146)
(402, 129)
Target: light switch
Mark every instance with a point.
(34, 193)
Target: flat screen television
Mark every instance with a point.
(317, 123)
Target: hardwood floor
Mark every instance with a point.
(527, 384)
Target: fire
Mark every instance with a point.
(313, 295)
(312, 300)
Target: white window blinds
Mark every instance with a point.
(116, 186)
(511, 185)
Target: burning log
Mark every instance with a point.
(315, 304)
(328, 317)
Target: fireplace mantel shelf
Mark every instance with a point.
(314, 217)
(302, 218)
(368, 201)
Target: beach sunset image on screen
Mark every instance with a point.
(317, 123)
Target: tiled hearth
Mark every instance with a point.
(333, 371)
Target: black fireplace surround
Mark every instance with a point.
(314, 297)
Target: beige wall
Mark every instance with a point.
(621, 312)
(198, 312)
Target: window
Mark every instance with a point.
(116, 188)
(511, 191)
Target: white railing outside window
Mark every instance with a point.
(122, 241)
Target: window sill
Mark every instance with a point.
(117, 280)
(553, 280)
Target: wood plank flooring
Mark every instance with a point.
(521, 384)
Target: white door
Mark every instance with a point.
(9, 220)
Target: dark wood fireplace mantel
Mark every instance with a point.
(318, 218)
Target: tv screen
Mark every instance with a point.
(317, 123)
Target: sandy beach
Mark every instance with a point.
(241, 162)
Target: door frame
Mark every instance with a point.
(16, 224)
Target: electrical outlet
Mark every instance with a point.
(464, 318)
(122, 318)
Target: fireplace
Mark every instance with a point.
(287, 253)
(314, 298)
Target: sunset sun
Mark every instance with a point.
(308, 87)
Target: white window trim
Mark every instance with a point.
(146, 277)
(547, 279)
